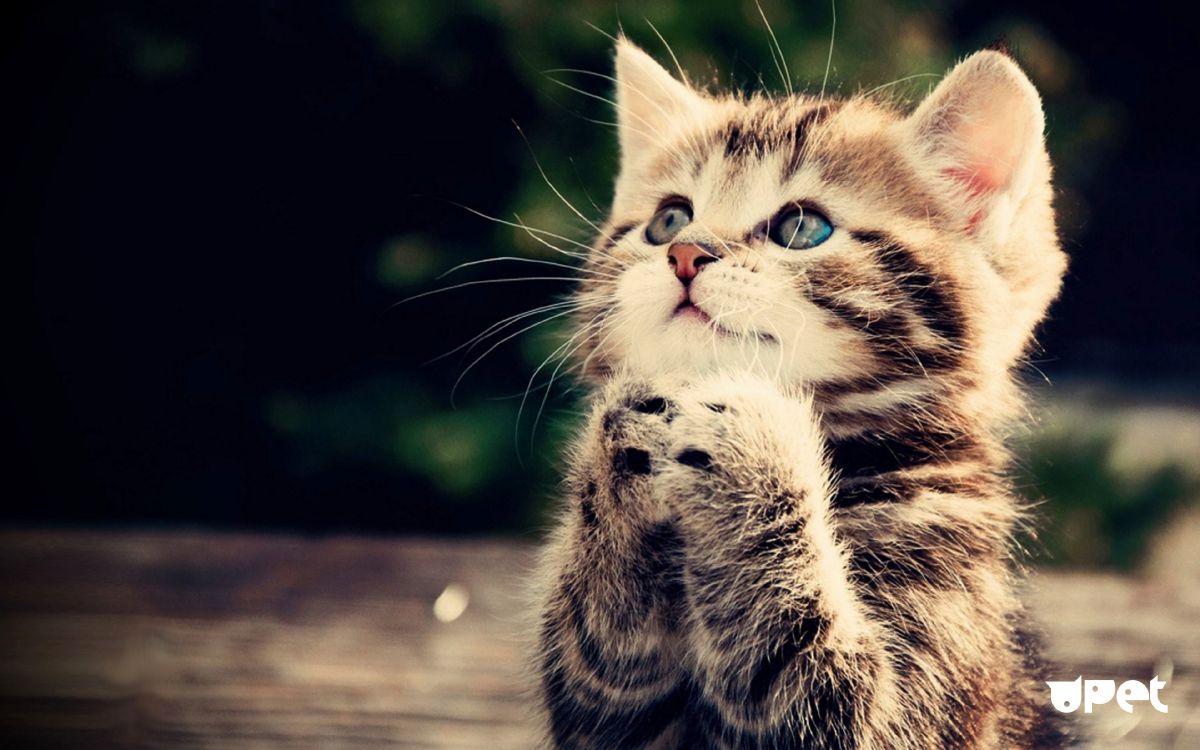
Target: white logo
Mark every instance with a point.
(1066, 696)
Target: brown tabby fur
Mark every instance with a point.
(790, 526)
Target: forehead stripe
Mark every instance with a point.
(742, 138)
(759, 132)
(800, 130)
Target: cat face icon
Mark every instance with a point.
(1066, 696)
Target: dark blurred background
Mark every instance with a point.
(212, 207)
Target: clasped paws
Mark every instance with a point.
(657, 447)
(734, 434)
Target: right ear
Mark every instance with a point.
(981, 128)
(650, 103)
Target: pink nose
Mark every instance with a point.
(687, 260)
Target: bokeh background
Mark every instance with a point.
(210, 211)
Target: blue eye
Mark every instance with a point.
(800, 228)
(667, 222)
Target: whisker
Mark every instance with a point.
(496, 345)
(901, 80)
(693, 138)
(512, 396)
(653, 136)
(531, 232)
(551, 185)
(779, 338)
(611, 38)
(616, 314)
(517, 259)
(521, 409)
(526, 228)
(501, 325)
(493, 281)
(759, 339)
(581, 256)
(549, 385)
(682, 75)
(579, 177)
(829, 58)
(781, 61)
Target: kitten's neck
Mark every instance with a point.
(934, 431)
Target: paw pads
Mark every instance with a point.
(654, 405)
(632, 460)
(695, 458)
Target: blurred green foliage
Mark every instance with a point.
(1095, 510)
(468, 456)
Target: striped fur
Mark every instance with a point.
(790, 526)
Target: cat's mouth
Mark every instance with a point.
(687, 310)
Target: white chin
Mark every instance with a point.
(650, 339)
(686, 345)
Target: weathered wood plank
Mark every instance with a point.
(197, 640)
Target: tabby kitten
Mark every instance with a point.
(789, 524)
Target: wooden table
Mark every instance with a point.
(205, 640)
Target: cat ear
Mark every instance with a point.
(650, 103)
(981, 130)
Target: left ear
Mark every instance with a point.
(981, 130)
(650, 103)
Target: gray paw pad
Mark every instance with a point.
(653, 405)
(695, 458)
(632, 460)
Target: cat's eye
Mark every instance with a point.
(667, 222)
(799, 228)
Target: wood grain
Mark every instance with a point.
(205, 640)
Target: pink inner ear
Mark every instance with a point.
(988, 143)
(989, 147)
(978, 181)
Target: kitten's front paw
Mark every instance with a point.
(635, 415)
(735, 436)
(626, 443)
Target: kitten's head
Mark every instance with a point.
(834, 243)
